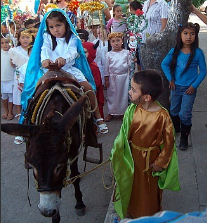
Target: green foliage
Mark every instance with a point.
(197, 3)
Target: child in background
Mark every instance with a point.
(57, 42)
(19, 56)
(7, 78)
(116, 76)
(101, 52)
(90, 51)
(116, 24)
(30, 23)
(144, 157)
(185, 68)
(78, 23)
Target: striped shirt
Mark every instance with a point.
(154, 13)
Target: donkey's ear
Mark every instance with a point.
(71, 115)
(96, 45)
(19, 130)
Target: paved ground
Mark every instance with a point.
(193, 162)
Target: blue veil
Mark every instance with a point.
(34, 71)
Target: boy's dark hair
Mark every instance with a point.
(135, 5)
(37, 25)
(83, 34)
(151, 82)
(28, 22)
(61, 18)
(179, 45)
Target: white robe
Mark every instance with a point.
(117, 68)
(65, 50)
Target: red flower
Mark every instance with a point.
(139, 12)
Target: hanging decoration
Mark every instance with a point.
(73, 6)
(91, 6)
(136, 24)
(49, 7)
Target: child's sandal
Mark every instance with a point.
(102, 128)
(4, 116)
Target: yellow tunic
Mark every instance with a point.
(148, 131)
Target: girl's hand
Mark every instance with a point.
(156, 168)
(60, 61)
(46, 63)
(172, 85)
(20, 86)
(190, 90)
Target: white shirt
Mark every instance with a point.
(7, 71)
(154, 14)
(65, 50)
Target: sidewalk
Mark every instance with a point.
(192, 162)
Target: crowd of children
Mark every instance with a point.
(99, 59)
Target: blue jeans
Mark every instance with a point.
(181, 104)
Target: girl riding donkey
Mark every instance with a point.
(57, 41)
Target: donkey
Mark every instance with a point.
(53, 145)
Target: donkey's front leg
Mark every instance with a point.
(80, 206)
(56, 218)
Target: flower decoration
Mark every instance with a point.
(91, 6)
(139, 12)
(73, 6)
(49, 7)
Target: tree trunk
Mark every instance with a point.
(158, 45)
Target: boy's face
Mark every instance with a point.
(135, 93)
(4, 29)
(5, 44)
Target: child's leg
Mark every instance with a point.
(92, 97)
(186, 118)
(19, 109)
(10, 112)
(5, 104)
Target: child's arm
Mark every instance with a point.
(108, 26)
(166, 64)
(106, 68)
(13, 65)
(202, 72)
(164, 157)
(72, 53)
(46, 51)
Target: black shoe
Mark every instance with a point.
(183, 144)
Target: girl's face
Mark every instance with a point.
(5, 44)
(135, 93)
(188, 36)
(24, 40)
(116, 43)
(56, 28)
(118, 12)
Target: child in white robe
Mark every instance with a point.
(117, 76)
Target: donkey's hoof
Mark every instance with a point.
(81, 211)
